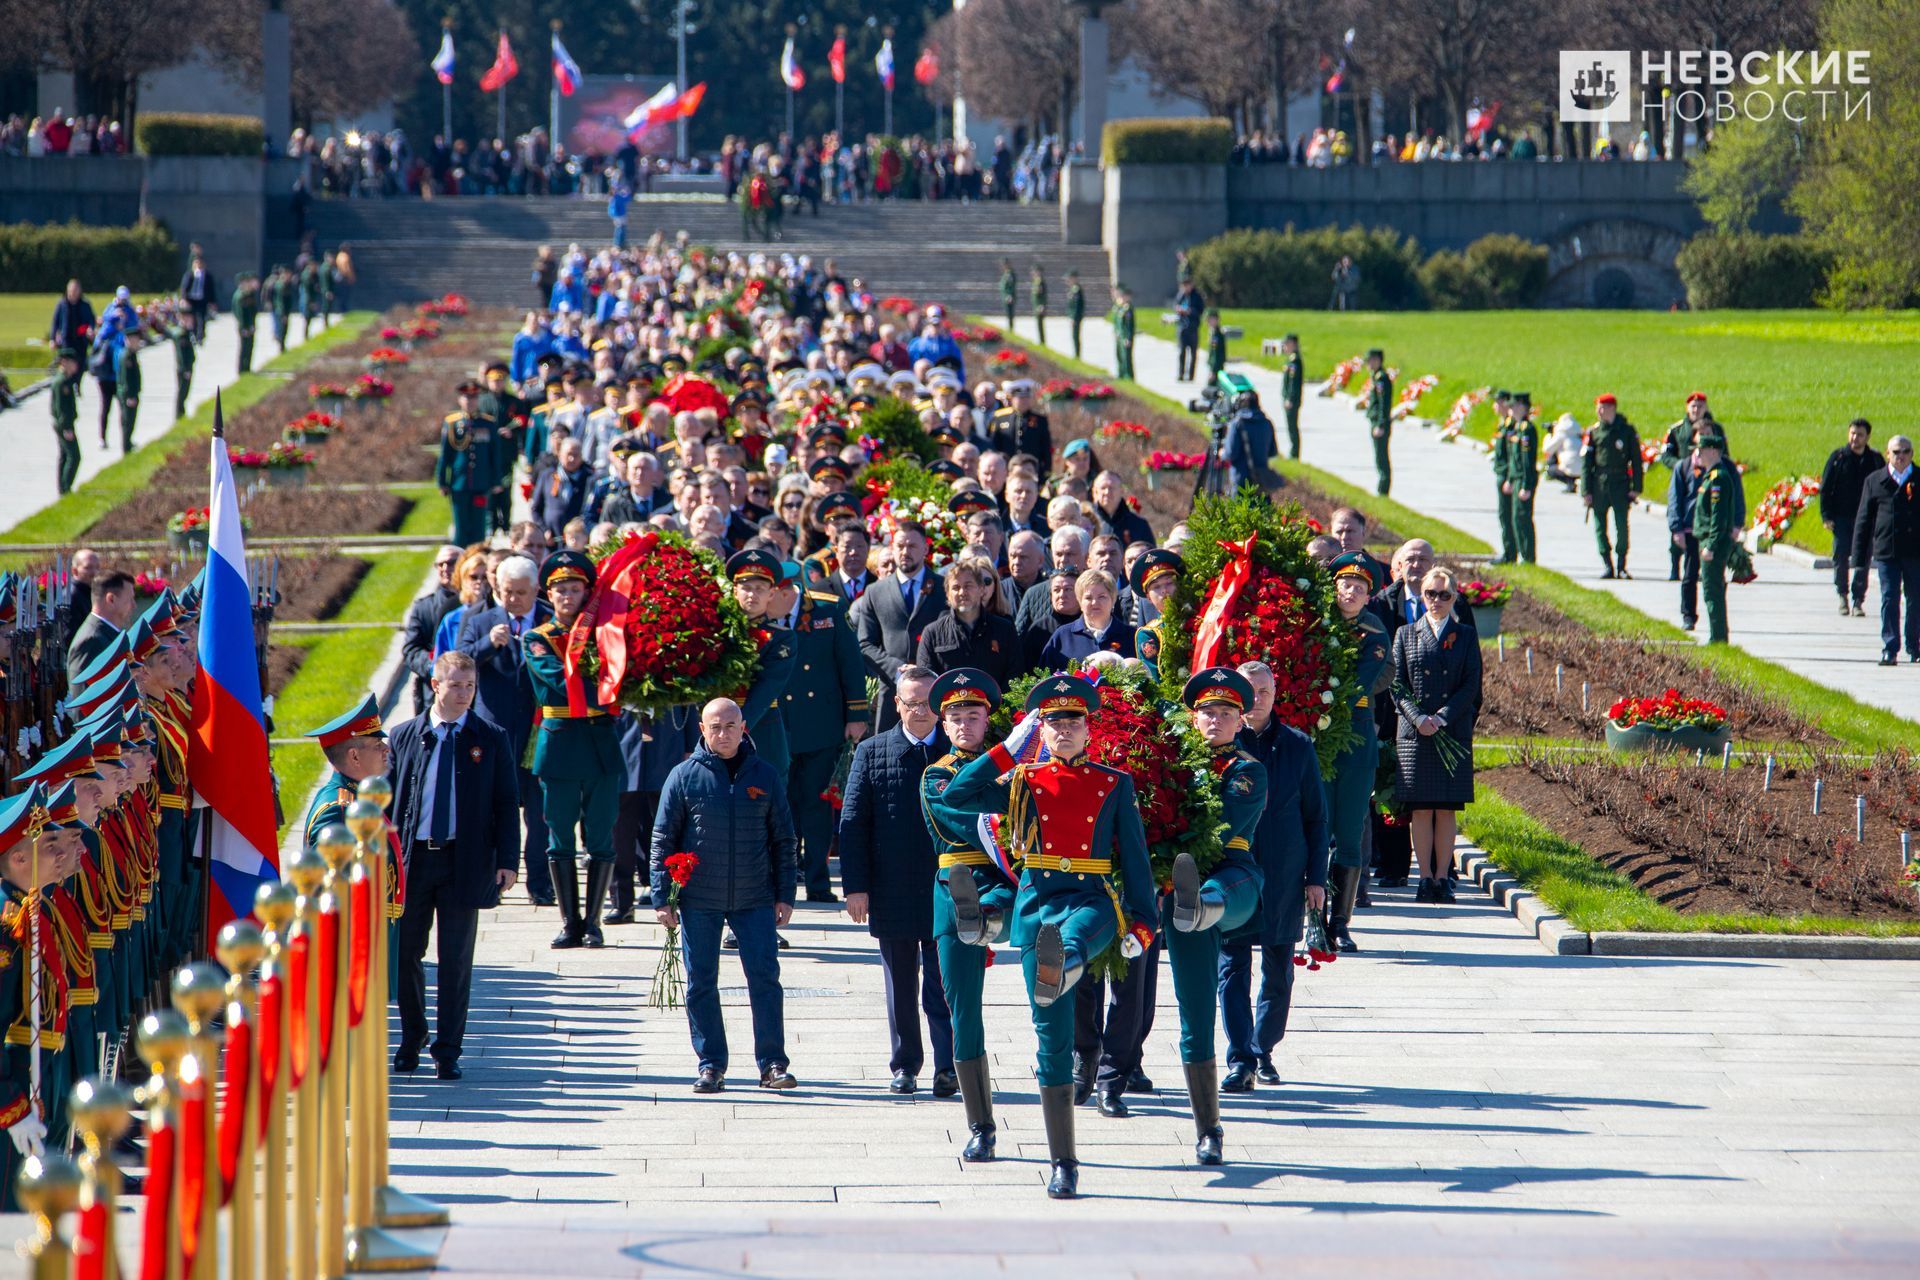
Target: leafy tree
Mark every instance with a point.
(1751, 163)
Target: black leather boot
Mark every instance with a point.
(1197, 906)
(976, 1092)
(566, 892)
(1084, 1070)
(1053, 974)
(599, 876)
(1203, 1091)
(1056, 1109)
(1341, 895)
(969, 918)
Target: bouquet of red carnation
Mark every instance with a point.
(1121, 429)
(669, 979)
(369, 387)
(1668, 711)
(835, 801)
(1315, 948)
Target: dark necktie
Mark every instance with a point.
(906, 594)
(440, 829)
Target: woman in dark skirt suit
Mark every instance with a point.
(1436, 685)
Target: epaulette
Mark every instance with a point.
(546, 628)
(827, 597)
(1004, 411)
(454, 417)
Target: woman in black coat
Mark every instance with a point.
(1436, 687)
(975, 631)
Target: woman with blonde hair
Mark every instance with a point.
(472, 578)
(1436, 687)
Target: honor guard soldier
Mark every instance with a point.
(1122, 318)
(355, 745)
(1155, 576)
(25, 869)
(576, 753)
(823, 710)
(1500, 446)
(1293, 383)
(246, 315)
(1523, 475)
(509, 413)
(1075, 825)
(184, 354)
(1380, 416)
(1019, 428)
(66, 417)
(468, 469)
(1076, 309)
(279, 300)
(972, 894)
(1199, 911)
(1009, 289)
(754, 575)
(1037, 295)
(1612, 476)
(1716, 524)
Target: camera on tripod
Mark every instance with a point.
(1224, 397)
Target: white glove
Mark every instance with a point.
(1023, 731)
(29, 1135)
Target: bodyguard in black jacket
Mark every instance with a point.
(424, 616)
(1888, 528)
(1842, 481)
(460, 849)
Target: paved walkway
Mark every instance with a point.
(33, 454)
(1788, 616)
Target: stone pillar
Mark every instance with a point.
(276, 76)
(1093, 76)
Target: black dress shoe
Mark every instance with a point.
(541, 899)
(1082, 1079)
(709, 1081)
(828, 896)
(1361, 898)
(1888, 660)
(730, 942)
(1265, 1073)
(1208, 1149)
(1443, 891)
(1137, 1082)
(1113, 1103)
(945, 1084)
(617, 917)
(406, 1061)
(903, 1083)
(780, 942)
(1239, 1079)
(1346, 942)
(448, 1070)
(1065, 1182)
(778, 1078)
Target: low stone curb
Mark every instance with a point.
(1800, 556)
(1562, 939)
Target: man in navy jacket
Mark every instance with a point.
(492, 638)
(887, 868)
(728, 807)
(454, 806)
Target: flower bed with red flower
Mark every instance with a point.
(369, 387)
(1342, 374)
(661, 628)
(451, 305)
(1009, 360)
(1168, 460)
(1094, 391)
(379, 357)
(311, 427)
(328, 391)
(1777, 509)
(148, 584)
(1057, 389)
(982, 333)
(1457, 416)
(1121, 429)
(1482, 594)
(669, 979)
(1668, 711)
(894, 302)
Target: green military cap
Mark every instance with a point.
(965, 687)
(1292, 337)
(568, 566)
(649, 372)
(968, 501)
(859, 400)
(1375, 353)
(755, 563)
(1502, 394)
(68, 353)
(1064, 695)
(839, 502)
(829, 465)
(1710, 440)
(750, 396)
(494, 366)
(944, 432)
(1218, 685)
(828, 432)
(360, 721)
(468, 387)
(946, 469)
(1155, 564)
(1351, 564)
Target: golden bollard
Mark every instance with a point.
(102, 1111)
(392, 1207)
(276, 905)
(336, 846)
(162, 1043)
(49, 1189)
(199, 990)
(306, 872)
(240, 947)
(369, 1248)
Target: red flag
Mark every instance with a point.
(837, 59)
(926, 68)
(504, 67)
(690, 100)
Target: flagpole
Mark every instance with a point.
(680, 39)
(839, 86)
(446, 96)
(500, 130)
(553, 106)
(886, 34)
(791, 31)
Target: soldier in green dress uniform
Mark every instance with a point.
(1037, 295)
(126, 387)
(1076, 826)
(1293, 382)
(1715, 524)
(279, 293)
(823, 710)
(1500, 446)
(1154, 578)
(181, 336)
(509, 413)
(1350, 792)
(972, 894)
(1612, 475)
(246, 315)
(1677, 449)
(66, 417)
(355, 745)
(576, 753)
(1076, 309)
(1523, 475)
(1009, 289)
(468, 468)
(23, 915)
(1199, 911)
(754, 574)
(1216, 345)
(1122, 318)
(1380, 416)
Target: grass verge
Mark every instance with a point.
(1597, 899)
(68, 519)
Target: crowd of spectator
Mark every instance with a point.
(1325, 148)
(62, 135)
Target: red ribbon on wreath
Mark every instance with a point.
(1211, 635)
(605, 619)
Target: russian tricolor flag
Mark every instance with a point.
(443, 60)
(227, 759)
(566, 72)
(666, 105)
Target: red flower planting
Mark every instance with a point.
(1668, 711)
(1010, 359)
(1167, 460)
(1121, 429)
(368, 387)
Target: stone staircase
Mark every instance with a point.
(484, 247)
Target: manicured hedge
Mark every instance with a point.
(41, 259)
(1182, 141)
(1294, 269)
(1495, 272)
(1753, 271)
(185, 133)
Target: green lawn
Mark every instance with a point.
(1783, 383)
(24, 319)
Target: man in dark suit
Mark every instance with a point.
(456, 809)
(493, 638)
(651, 746)
(197, 290)
(1399, 603)
(1887, 528)
(851, 547)
(560, 488)
(112, 613)
(887, 867)
(424, 616)
(891, 614)
(823, 708)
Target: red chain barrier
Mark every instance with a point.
(271, 1014)
(160, 1206)
(329, 967)
(361, 957)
